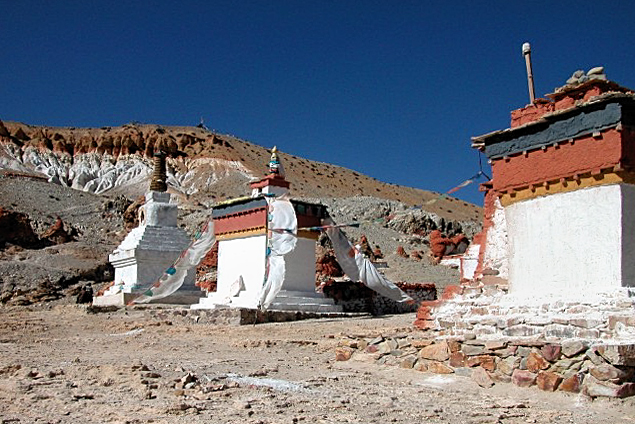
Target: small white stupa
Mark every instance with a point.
(151, 248)
(243, 231)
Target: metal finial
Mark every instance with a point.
(158, 181)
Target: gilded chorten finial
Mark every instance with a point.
(275, 167)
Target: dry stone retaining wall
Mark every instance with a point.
(488, 312)
(597, 370)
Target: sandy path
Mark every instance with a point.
(127, 367)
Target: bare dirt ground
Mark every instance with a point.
(60, 364)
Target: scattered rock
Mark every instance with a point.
(482, 378)
(343, 353)
(523, 378)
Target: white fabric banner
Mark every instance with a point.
(281, 239)
(359, 268)
(173, 278)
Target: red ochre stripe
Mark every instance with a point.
(586, 154)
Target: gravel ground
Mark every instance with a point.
(61, 365)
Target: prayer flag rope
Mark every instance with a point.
(357, 224)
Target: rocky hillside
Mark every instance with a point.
(68, 196)
(203, 166)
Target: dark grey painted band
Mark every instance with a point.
(586, 122)
(241, 206)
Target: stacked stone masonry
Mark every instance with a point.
(490, 313)
(356, 297)
(574, 366)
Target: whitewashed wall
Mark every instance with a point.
(567, 243)
(300, 267)
(242, 256)
(628, 235)
(496, 244)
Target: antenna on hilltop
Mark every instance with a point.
(202, 125)
(530, 75)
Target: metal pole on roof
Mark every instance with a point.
(530, 75)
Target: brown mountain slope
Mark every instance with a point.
(196, 154)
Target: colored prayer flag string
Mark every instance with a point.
(357, 224)
(457, 188)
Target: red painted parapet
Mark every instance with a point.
(564, 98)
(241, 221)
(586, 154)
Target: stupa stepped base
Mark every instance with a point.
(303, 301)
(120, 299)
(286, 300)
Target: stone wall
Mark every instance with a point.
(490, 313)
(597, 370)
(356, 297)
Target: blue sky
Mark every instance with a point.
(392, 89)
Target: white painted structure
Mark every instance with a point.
(239, 257)
(496, 255)
(147, 251)
(241, 230)
(245, 258)
(568, 244)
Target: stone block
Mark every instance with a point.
(593, 356)
(521, 330)
(376, 340)
(454, 345)
(436, 352)
(548, 381)
(508, 365)
(551, 352)
(538, 320)
(500, 378)
(523, 351)
(535, 362)
(587, 333)
(485, 361)
(572, 347)
(343, 353)
(626, 320)
(457, 359)
(523, 378)
(482, 378)
(408, 362)
(384, 347)
(425, 324)
(438, 368)
(470, 350)
(421, 365)
(502, 323)
(504, 353)
(495, 344)
(623, 354)
(563, 365)
(595, 388)
(474, 342)
(572, 384)
(607, 372)
(586, 322)
(403, 343)
(559, 331)
(421, 343)
(463, 372)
